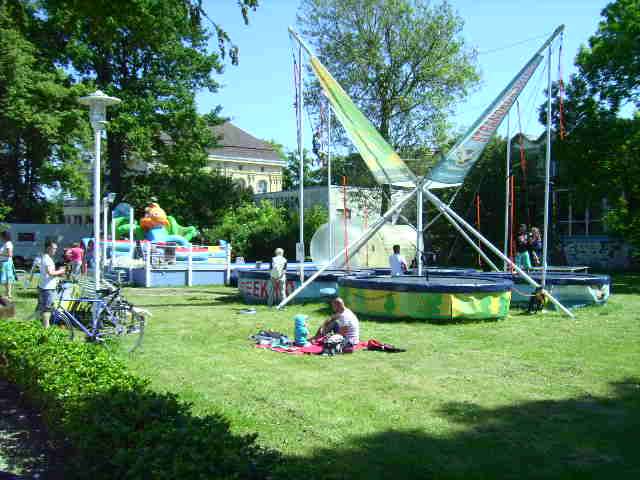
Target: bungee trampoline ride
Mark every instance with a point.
(573, 290)
(457, 294)
(427, 298)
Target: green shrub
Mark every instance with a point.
(113, 423)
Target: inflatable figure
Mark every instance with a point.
(155, 226)
(155, 223)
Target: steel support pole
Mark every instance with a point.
(507, 194)
(96, 205)
(470, 241)
(419, 238)
(355, 246)
(547, 175)
(440, 205)
(301, 158)
(330, 203)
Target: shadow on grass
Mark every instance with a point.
(436, 322)
(24, 444)
(583, 437)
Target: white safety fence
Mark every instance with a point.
(167, 257)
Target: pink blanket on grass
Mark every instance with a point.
(311, 349)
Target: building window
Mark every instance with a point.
(88, 220)
(262, 186)
(262, 169)
(241, 182)
(77, 219)
(240, 167)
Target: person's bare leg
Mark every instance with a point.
(46, 319)
(9, 285)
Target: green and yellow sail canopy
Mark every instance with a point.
(386, 165)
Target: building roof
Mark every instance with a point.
(236, 143)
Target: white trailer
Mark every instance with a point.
(29, 238)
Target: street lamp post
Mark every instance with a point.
(98, 103)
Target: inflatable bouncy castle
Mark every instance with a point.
(156, 226)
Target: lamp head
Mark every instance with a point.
(98, 103)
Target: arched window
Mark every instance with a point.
(241, 182)
(262, 186)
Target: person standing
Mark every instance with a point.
(90, 255)
(7, 274)
(277, 277)
(76, 255)
(535, 247)
(397, 262)
(48, 282)
(522, 248)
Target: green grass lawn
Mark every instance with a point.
(539, 396)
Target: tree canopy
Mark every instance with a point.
(403, 62)
(41, 123)
(599, 157)
(611, 62)
(152, 54)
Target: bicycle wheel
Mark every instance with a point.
(122, 329)
(61, 318)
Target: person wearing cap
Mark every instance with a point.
(343, 321)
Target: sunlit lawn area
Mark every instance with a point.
(529, 396)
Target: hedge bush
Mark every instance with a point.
(112, 423)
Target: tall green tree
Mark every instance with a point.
(42, 127)
(187, 194)
(599, 156)
(154, 55)
(403, 62)
(291, 174)
(611, 62)
(253, 230)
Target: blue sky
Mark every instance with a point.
(258, 94)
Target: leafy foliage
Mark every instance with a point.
(41, 124)
(193, 196)
(611, 63)
(255, 231)
(252, 229)
(403, 62)
(291, 174)
(600, 158)
(153, 55)
(117, 426)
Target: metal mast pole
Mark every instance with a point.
(547, 175)
(105, 227)
(440, 205)
(507, 194)
(96, 204)
(419, 246)
(330, 203)
(301, 166)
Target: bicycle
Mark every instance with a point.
(100, 320)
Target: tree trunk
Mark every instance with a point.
(115, 149)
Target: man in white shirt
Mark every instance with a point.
(48, 282)
(277, 277)
(397, 262)
(343, 321)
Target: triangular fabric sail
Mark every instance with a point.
(384, 163)
(451, 170)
